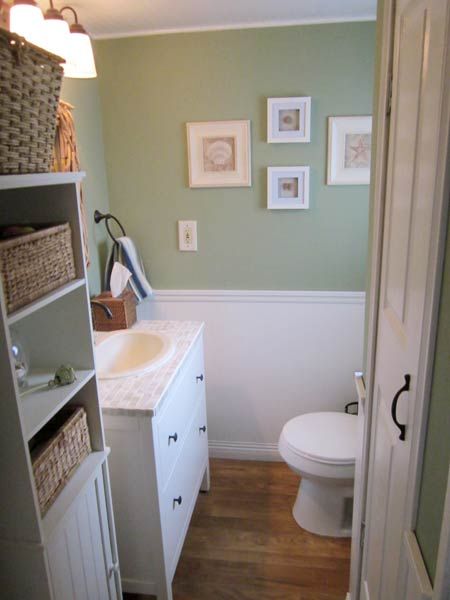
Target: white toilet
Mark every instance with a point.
(321, 448)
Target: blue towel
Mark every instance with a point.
(125, 252)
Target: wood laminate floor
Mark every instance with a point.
(243, 543)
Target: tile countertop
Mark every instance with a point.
(143, 395)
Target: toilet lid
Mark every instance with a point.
(325, 437)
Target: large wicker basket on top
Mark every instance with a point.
(34, 264)
(30, 84)
(55, 459)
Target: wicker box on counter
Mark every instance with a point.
(59, 448)
(30, 82)
(36, 263)
(123, 309)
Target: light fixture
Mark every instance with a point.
(52, 33)
(25, 19)
(80, 62)
(55, 32)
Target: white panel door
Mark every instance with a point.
(78, 553)
(419, 47)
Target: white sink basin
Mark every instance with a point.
(126, 353)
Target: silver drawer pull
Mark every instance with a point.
(202, 429)
(199, 378)
(173, 437)
(178, 501)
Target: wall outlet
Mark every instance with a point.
(187, 236)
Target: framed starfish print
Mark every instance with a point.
(349, 147)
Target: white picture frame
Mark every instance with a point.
(349, 150)
(219, 154)
(289, 120)
(287, 188)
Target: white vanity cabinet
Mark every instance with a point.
(159, 462)
(70, 551)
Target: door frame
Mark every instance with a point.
(385, 44)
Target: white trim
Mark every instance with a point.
(8, 182)
(268, 296)
(417, 582)
(380, 138)
(223, 27)
(133, 586)
(244, 451)
(442, 577)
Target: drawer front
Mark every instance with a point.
(172, 425)
(184, 485)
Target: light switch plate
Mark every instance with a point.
(187, 236)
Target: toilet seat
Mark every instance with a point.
(324, 437)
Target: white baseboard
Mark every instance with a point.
(133, 586)
(418, 585)
(244, 451)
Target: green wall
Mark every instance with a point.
(83, 94)
(437, 445)
(151, 86)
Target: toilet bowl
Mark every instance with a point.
(321, 448)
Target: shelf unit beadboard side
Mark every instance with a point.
(18, 505)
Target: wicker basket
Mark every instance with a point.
(123, 310)
(34, 264)
(30, 84)
(55, 460)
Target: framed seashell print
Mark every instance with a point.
(349, 150)
(219, 154)
(287, 187)
(289, 120)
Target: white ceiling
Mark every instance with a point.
(117, 18)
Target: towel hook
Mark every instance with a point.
(98, 216)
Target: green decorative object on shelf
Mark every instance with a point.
(65, 375)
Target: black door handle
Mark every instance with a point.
(199, 378)
(404, 388)
(173, 437)
(202, 428)
(178, 501)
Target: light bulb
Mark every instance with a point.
(26, 19)
(55, 36)
(80, 62)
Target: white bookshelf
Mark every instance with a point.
(21, 313)
(54, 330)
(39, 406)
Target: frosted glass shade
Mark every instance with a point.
(55, 37)
(80, 57)
(27, 20)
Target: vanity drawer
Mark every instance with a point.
(172, 425)
(184, 485)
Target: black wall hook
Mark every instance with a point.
(98, 216)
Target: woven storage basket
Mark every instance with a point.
(30, 84)
(55, 461)
(34, 264)
(123, 310)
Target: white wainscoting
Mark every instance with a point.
(270, 355)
